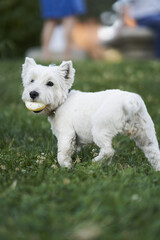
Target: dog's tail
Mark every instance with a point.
(133, 105)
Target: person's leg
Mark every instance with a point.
(152, 22)
(157, 43)
(68, 23)
(47, 31)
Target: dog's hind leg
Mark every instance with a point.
(106, 126)
(152, 152)
(145, 138)
(104, 141)
(106, 150)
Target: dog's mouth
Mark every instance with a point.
(47, 110)
(38, 111)
(39, 108)
(35, 106)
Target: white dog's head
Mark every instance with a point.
(47, 84)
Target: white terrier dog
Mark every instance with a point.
(85, 117)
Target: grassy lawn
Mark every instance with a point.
(39, 200)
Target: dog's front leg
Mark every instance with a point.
(66, 147)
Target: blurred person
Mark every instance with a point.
(85, 36)
(52, 12)
(144, 13)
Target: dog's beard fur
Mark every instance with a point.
(52, 100)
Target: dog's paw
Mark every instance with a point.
(102, 160)
(157, 167)
(97, 159)
(67, 165)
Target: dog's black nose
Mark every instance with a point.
(34, 94)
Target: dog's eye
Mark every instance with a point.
(32, 80)
(50, 84)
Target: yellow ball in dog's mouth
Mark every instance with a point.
(34, 106)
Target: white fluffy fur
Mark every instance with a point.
(82, 117)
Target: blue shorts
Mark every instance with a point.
(58, 9)
(152, 22)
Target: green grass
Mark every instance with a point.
(39, 200)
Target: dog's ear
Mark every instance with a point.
(27, 64)
(68, 72)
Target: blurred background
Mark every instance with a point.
(21, 24)
(100, 33)
(38, 199)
